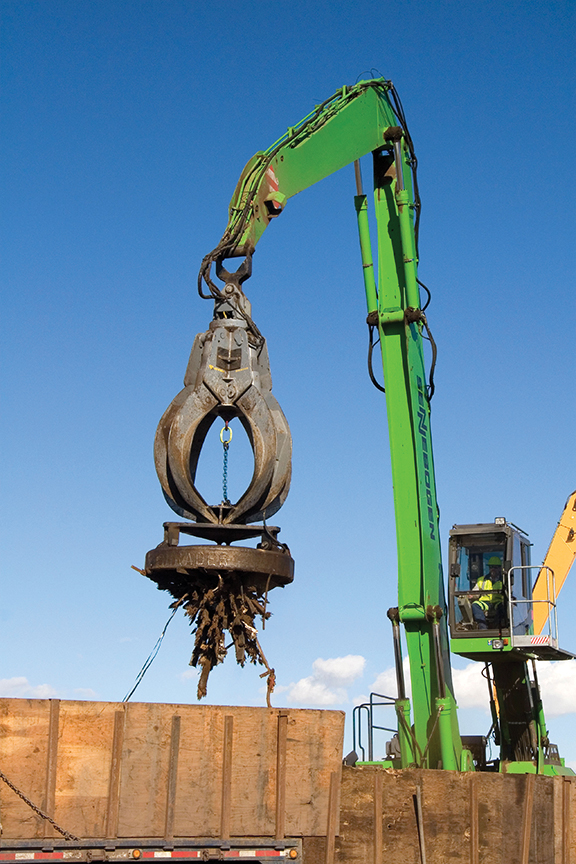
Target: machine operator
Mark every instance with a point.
(490, 603)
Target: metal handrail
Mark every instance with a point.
(356, 713)
(368, 707)
(552, 617)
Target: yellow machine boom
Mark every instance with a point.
(559, 559)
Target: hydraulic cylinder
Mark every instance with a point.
(444, 708)
(361, 204)
(405, 734)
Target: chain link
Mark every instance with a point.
(66, 834)
(225, 445)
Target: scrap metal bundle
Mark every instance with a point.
(213, 611)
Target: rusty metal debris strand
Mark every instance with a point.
(226, 607)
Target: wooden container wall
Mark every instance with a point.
(141, 770)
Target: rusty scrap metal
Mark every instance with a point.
(175, 568)
(226, 607)
(228, 376)
(227, 589)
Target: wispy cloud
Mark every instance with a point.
(21, 687)
(471, 688)
(385, 682)
(557, 683)
(328, 683)
(85, 693)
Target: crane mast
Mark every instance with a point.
(368, 118)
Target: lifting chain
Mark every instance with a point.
(225, 444)
(66, 834)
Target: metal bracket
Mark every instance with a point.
(239, 276)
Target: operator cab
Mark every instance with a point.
(490, 594)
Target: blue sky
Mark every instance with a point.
(126, 126)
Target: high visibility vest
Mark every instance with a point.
(494, 598)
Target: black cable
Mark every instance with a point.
(151, 657)
(431, 386)
(371, 346)
(230, 237)
(428, 292)
(398, 109)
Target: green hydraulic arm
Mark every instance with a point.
(368, 118)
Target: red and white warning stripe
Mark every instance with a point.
(539, 640)
(272, 179)
(79, 854)
(273, 184)
(228, 853)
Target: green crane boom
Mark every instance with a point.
(355, 121)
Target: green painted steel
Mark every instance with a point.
(408, 756)
(352, 123)
(480, 648)
(420, 581)
(451, 759)
(531, 768)
(361, 204)
(347, 126)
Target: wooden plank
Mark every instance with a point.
(144, 782)
(115, 773)
(84, 758)
(49, 800)
(447, 797)
(172, 776)
(24, 725)
(355, 841)
(445, 804)
(199, 782)
(313, 751)
(528, 803)
(542, 842)
(378, 782)
(474, 839)
(499, 827)
(227, 777)
(566, 813)
(77, 749)
(253, 772)
(84, 766)
(333, 814)
(281, 775)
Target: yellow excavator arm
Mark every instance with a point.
(559, 559)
